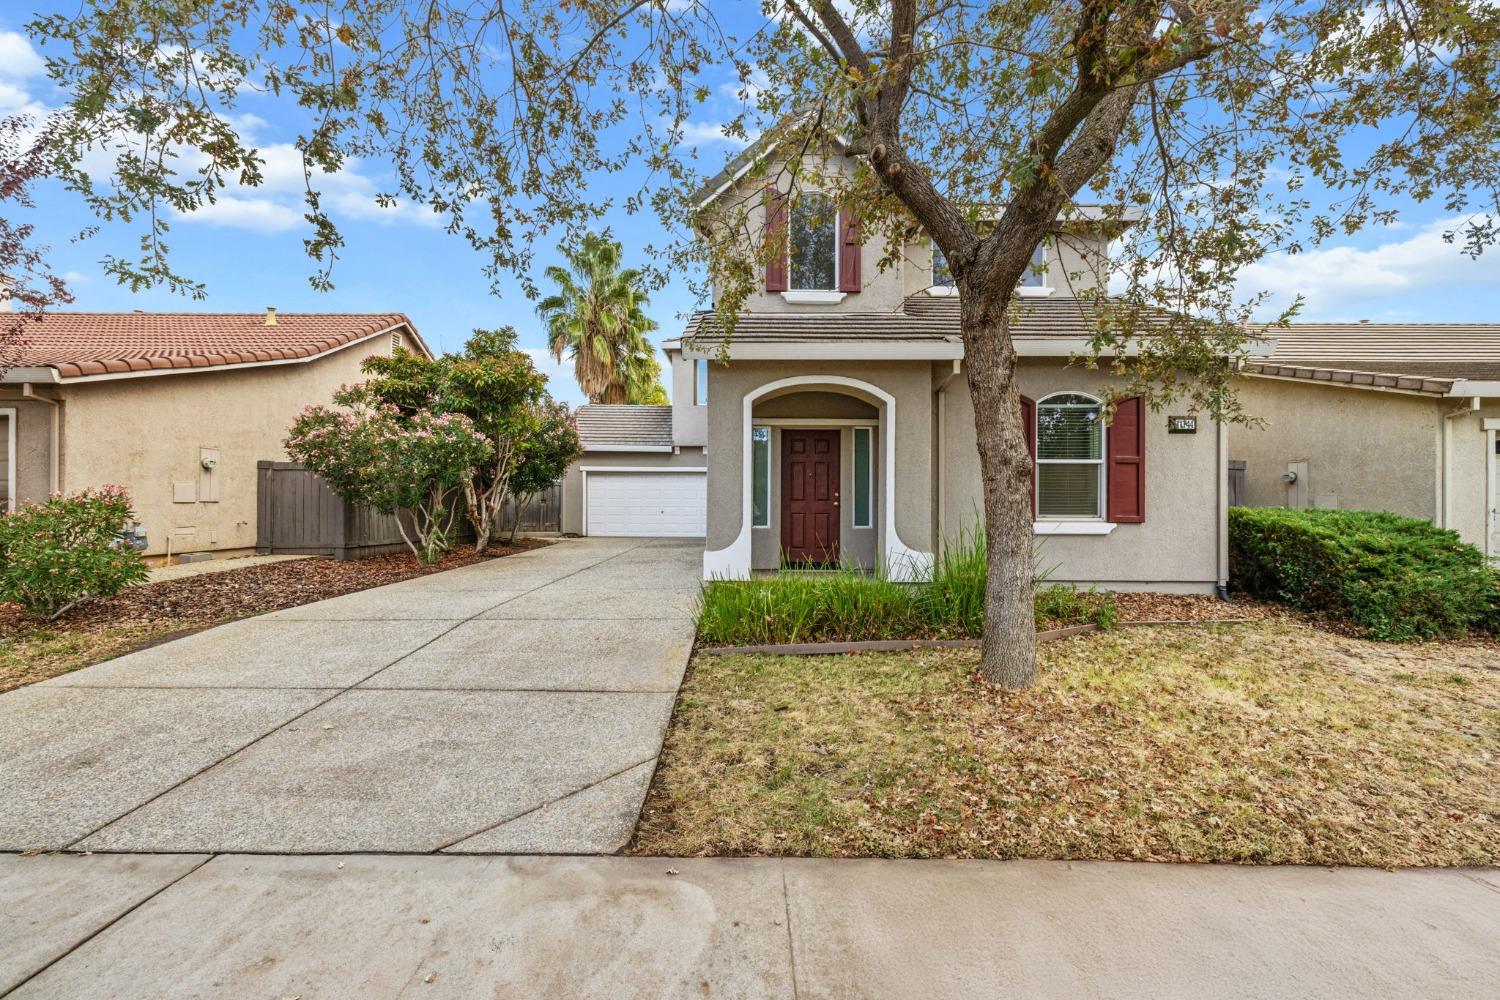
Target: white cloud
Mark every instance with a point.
(18, 59)
(277, 203)
(1342, 282)
(698, 134)
(259, 214)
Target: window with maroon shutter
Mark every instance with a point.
(1028, 426)
(1127, 462)
(851, 246)
(776, 236)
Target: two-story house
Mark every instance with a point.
(835, 426)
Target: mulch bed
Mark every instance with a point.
(212, 598)
(1148, 607)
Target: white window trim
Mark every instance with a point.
(1059, 527)
(700, 382)
(942, 291)
(814, 296)
(769, 457)
(1045, 288)
(854, 521)
(10, 412)
(1063, 520)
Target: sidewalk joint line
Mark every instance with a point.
(107, 925)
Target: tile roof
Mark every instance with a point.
(82, 344)
(619, 425)
(922, 318)
(1429, 350)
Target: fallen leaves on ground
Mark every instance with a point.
(31, 651)
(1266, 742)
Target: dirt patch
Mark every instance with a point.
(31, 651)
(1264, 743)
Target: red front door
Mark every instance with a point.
(810, 496)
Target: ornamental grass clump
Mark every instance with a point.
(67, 550)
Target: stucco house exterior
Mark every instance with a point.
(176, 407)
(1373, 416)
(835, 426)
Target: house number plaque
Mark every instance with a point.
(1182, 425)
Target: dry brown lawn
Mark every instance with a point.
(1266, 743)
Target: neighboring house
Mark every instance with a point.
(1376, 416)
(176, 407)
(836, 425)
(640, 473)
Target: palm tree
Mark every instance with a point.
(597, 317)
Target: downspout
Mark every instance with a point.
(54, 478)
(941, 394)
(1221, 524)
(1470, 405)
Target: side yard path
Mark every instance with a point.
(512, 705)
(381, 927)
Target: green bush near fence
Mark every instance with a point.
(1397, 578)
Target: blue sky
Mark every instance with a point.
(249, 253)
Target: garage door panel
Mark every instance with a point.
(647, 504)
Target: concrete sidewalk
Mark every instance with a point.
(365, 927)
(515, 705)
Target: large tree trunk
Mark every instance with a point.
(1008, 654)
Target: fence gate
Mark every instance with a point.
(1237, 482)
(543, 513)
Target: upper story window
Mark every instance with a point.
(942, 275)
(700, 382)
(814, 244)
(1036, 276)
(1070, 456)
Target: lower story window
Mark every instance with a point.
(864, 483)
(760, 477)
(1069, 456)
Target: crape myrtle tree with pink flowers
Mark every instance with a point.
(407, 465)
(421, 432)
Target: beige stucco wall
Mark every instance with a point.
(1074, 258)
(146, 434)
(1364, 450)
(1175, 548)
(689, 420)
(1468, 507)
(33, 458)
(572, 491)
(1368, 450)
(910, 383)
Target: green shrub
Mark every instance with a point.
(61, 553)
(849, 606)
(836, 605)
(1397, 578)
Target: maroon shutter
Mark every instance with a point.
(1126, 466)
(851, 246)
(776, 234)
(1028, 425)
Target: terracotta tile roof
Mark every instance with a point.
(82, 344)
(622, 426)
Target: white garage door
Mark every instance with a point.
(647, 504)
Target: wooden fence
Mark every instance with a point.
(297, 514)
(1236, 482)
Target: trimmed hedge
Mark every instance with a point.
(1397, 578)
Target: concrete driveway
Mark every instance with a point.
(513, 706)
